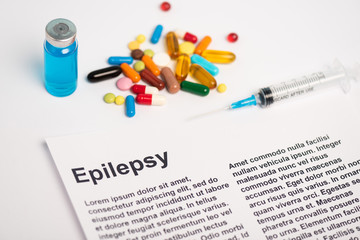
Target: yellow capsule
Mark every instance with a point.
(217, 56)
(172, 45)
(182, 67)
(203, 76)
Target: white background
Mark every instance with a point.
(278, 40)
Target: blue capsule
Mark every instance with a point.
(157, 34)
(130, 106)
(208, 66)
(119, 60)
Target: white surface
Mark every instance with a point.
(278, 40)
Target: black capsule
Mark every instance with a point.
(104, 74)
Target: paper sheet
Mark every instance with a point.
(194, 183)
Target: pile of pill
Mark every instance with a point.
(153, 69)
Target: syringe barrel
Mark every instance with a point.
(299, 86)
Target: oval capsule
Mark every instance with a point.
(104, 74)
(203, 44)
(156, 34)
(115, 60)
(203, 76)
(208, 66)
(216, 56)
(150, 99)
(137, 89)
(171, 82)
(172, 45)
(151, 79)
(149, 64)
(130, 106)
(194, 88)
(182, 67)
(130, 72)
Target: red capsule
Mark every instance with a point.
(149, 99)
(151, 79)
(232, 37)
(165, 6)
(137, 89)
(186, 36)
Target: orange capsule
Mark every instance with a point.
(203, 44)
(130, 72)
(149, 64)
(172, 45)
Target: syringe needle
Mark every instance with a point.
(208, 113)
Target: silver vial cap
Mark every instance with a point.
(60, 32)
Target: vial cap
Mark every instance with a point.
(60, 32)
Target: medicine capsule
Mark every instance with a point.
(232, 37)
(165, 6)
(124, 83)
(104, 74)
(130, 106)
(119, 100)
(216, 56)
(149, 52)
(187, 48)
(149, 99)
(119, 60)
(134, 45)
(130, 73)
(172, 45)
(151, 79)
(139, 66)
(156, 34)
(137, 54)
(161, 59)
(221, 88)
(149, 64)
(203, 76)
(203, 44)
(186, 36)
(194, 88)
(143, 89)
(109, 98)
(140, 38)
(208, 66)
(182, 67)
(171, 82)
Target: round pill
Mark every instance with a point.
(134, 45)
(187, 48)
(149, 52)
(109, 98)
(124, 83)
(161, 59)
(140, 38)
(165, 6)
(119, 100)
(221, 88)
(139, 66)
(232, 37)
(137, 54)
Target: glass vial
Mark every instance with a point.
(60, 57)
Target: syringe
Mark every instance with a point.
(335, 74)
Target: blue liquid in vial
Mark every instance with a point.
(60, 69)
